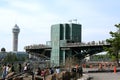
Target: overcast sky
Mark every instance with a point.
(35, 17)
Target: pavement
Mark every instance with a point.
(99, 75)
(84, 77)
(104, 76)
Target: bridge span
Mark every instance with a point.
(79, 50)
(66, 42)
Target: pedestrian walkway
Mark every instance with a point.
(99, 75)
(84, 77)
(104, 76)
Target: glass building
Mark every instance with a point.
(61, 34)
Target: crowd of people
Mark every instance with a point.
(46, 71)
(9, 70)
(58, 73)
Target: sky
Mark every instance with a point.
(35, 17)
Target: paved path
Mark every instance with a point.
(105, 76)
(102, 76)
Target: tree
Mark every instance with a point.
(10, 57)
(115, 43)
(3, 50)
(70, 61)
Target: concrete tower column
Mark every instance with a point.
(15, 31)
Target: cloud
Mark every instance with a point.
(35, 17)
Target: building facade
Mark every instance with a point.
(61, 34)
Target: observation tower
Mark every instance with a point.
(15, 31)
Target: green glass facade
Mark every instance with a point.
(60, 35)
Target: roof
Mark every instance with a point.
(16, 26)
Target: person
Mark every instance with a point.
(4, 72)
(43, 73)
(80, 71)
(20, 67)
(51, 71)
(63, 76)
(57, 70)
(38, 71)
(25, 68)
(12, 68)
(8, 69)
(67, 76)
(73, 71)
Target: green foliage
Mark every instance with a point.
(113, 58)
(115, 44)
(12, 57)
(100, 57)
